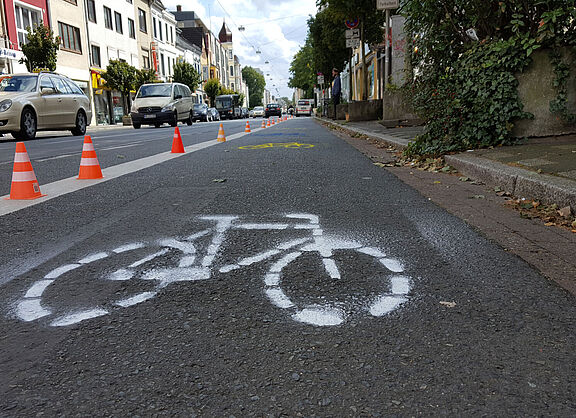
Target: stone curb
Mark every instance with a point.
(517, 181)
(388, 139)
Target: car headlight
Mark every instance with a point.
(168, 108)
(5, 105)
(134, 108)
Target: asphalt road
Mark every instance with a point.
(296, 280)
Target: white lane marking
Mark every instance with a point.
(30, 310)
(71, 184)
(400, 285)
(258, 257)
(331, 268)
(293, 243)
(374, 252)
(386, 304)
(57, 272)
(38, 288)
(272, 279)
(57, 157)
(262, 226)
(135, 299)
(149, 258)
(321, 316)
(279, 298)
(120, 275)
(392, 265)
(128, 247)
(78, 317)
(93, 257)
(314, 219)
(284, 261)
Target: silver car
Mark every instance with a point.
(42, 102)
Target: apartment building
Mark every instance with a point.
(143, 32)
(192, 54)
(164, 52)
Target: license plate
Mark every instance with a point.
(149, 116)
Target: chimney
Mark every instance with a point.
(179, 8)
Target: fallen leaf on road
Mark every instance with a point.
(574, 224)
(464, 178)
(539, 171)
(497, 189)
(437, 182)
(478, 196)
(549, 224)
(120, 156)
(448, 304)
(565, 212)
(380, 164)
(219, 180)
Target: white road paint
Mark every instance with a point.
(128, 247)
(149, 258)
(93, 257)
(272, 279)
(374, 252)
(57, 272)
(184, 246)
(386, 304)
(31, 310)
(321, 316)
(74, 318)
(142, 297)
(312, 218)
(223, 223)
(284, 261)
(38, 288)
(120, 275)
(198, 235)
(331, 268)
(258, 257)
(57, 157)
(229, 268)
(263, 226)
(187, 261)
(279, 298)
(291, 244)
(400, 285)
(169, 276)
(392, 265)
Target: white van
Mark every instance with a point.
(304, 107)
(159, 103)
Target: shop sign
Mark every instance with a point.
(387, 4)
(10, 53)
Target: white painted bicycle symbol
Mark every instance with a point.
(196, 264)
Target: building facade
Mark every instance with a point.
(164, 52)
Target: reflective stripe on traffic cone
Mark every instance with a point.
(247, 130)
(24, 183)
(221, 136)
(89, 166)
(263, 124)
(177, 145)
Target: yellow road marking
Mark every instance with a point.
(277, 145)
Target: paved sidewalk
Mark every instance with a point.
(541, 169)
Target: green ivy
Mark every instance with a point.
(562, 71)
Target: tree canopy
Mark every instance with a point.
(212, 89)
(185, 73)
(41, 50)
(302, 70)
(121, 76)
(256, 84)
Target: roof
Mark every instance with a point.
(225, 34)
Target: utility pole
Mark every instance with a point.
(387, 51)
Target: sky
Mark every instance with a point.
(275, 27)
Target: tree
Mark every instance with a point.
(256, 84)
(185, 73)
(303, 73)
(121, 76)
(41, 49)
(144, 76)
(212, 89)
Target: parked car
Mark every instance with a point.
(215, 113)
(245, 112)
(200, 112)
(159, 103)
(258, 111)
(272, 109)
(304, 107)
(42, 102)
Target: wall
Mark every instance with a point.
(365, 110)
(536, 90)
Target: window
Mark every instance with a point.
(60, 86)
(131, 29)
(160, 29)
(69, 37)
(129, 1)
(162, 64)
(230, 55)
(25, 18)
(46, 83)
(142, 21)
(154, 25)
(107, 17)
(231, 71)
(95, 55)
(171, 35)
(118, 19)
(91, 6)
(145, 61)
(73, 87)
(73, 2)
(166, 31)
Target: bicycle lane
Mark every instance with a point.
(475, 336)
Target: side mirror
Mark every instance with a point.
(178, 96)
(45, 91)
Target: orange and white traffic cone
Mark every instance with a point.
(24, 183)
(268, 123)
(177, 145)
(263, 124)
(221, 136)
(272, 123)
(89, 166)
(247, 130)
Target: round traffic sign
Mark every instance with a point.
(352, 23)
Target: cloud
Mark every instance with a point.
(277, 29)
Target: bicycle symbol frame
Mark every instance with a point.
(193, 267)
(277, 145)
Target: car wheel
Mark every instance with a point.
(174, 121)
(136, 125)
(28, 125)
(80, 127)
(189, 120)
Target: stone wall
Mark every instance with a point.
(536, 90)
(365, 110)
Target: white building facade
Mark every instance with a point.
(164, 51)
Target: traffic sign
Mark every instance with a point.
(320, 79)
(387, 4)
(352, 33)
(352, 23)
(352, 43)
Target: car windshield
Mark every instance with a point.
(19, 83)
(258, 108)
(198, 106)
(155, 90)
(222, 102)
(272, 106)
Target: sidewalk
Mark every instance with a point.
(542, 169)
